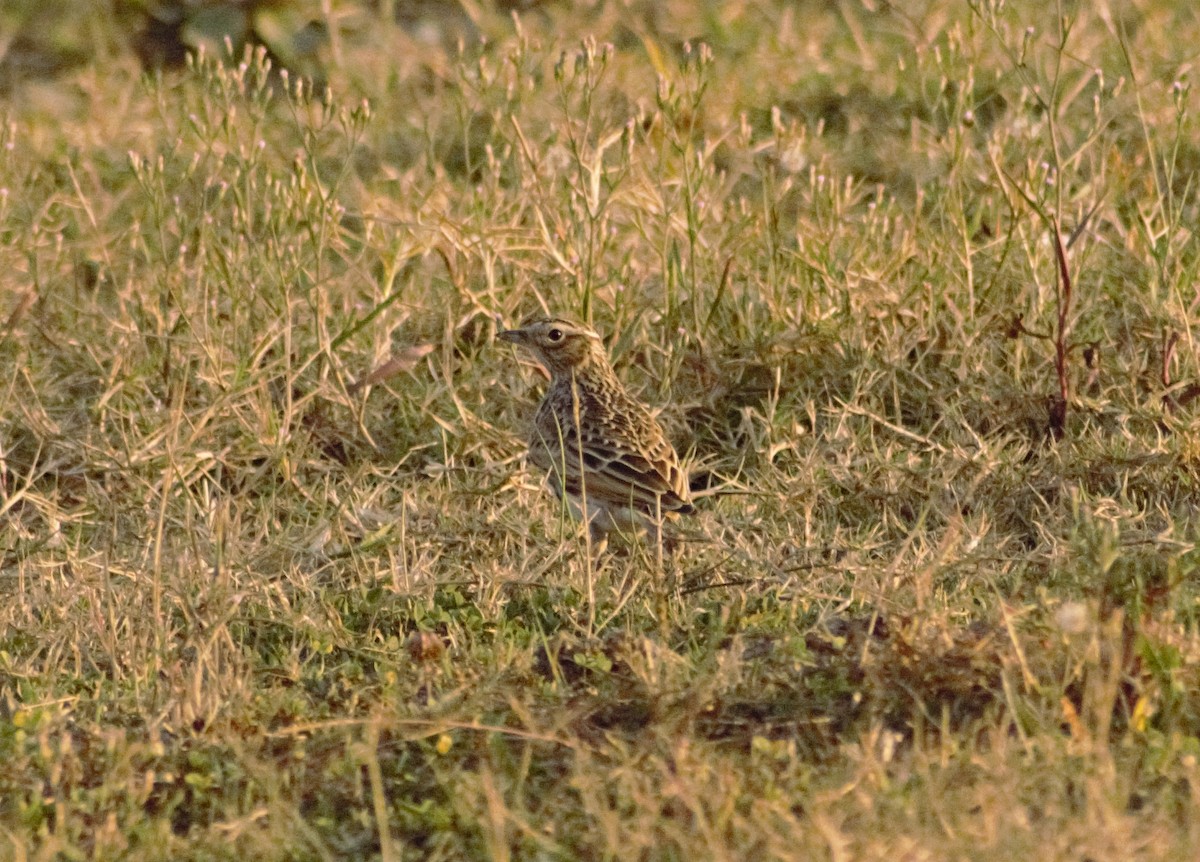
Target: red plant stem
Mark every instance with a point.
(1064, 309)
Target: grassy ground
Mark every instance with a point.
(915, 289)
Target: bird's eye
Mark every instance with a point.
(555, 335)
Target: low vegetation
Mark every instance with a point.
(914, 288)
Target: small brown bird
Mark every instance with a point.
(596, 442)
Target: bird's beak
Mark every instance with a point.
(516, 336)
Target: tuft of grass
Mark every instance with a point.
(913, 288)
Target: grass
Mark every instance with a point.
(914, 289)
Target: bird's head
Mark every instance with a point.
(563, 346)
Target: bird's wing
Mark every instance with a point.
(628, 462)
(646, 477)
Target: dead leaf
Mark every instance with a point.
(405, 360)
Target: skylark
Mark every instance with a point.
(595, 441)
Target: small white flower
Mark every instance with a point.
(1072, 618)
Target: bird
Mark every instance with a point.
(599, 445)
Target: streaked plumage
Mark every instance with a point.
(630, 474)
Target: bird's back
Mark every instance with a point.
(627, 459)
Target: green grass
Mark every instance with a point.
(276, 584)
